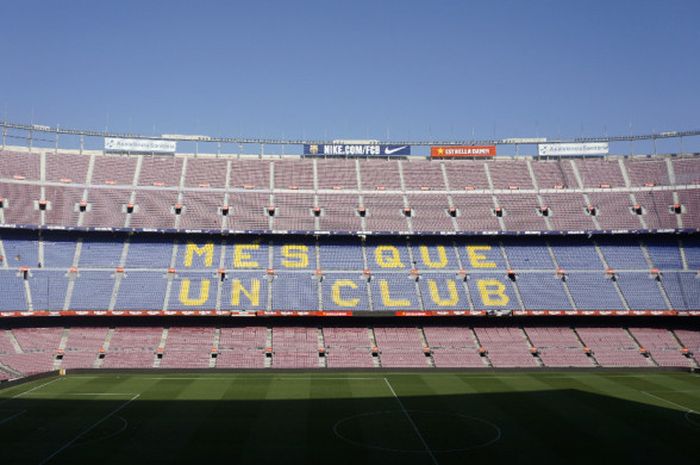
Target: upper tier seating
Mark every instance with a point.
(282, 194)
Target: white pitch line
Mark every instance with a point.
(687, 413)
(29, 390)
(243, 377)
(87, 430)
(668, 401)
(674, 390)
(410, 420)
(5, 420)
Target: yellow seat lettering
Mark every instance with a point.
(207, 250)
(441, 259)
(389, 301)
(388, 256)
(492, 292)
(295, 256)
(242, 257)
(479, 260)
(450, 301)
(185, 298)
(337, 296)
(252, 294)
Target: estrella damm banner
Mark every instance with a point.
(463, 151)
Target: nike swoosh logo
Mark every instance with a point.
(388, 151)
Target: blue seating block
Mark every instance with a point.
(641, 291)
(593, 291)
(141, 290)
(341, 254)
(92, 290)
(542, 291)
(48, 289)
(294, 291)
(12, 291)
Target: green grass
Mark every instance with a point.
(353, 418)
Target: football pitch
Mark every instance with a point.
(353, 418)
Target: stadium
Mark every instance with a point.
(237, 263)
(179, 291)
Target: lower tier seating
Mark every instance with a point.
(28, 351)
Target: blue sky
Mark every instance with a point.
(354, 69)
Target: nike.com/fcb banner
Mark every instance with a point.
(357, 150)
(464, 151)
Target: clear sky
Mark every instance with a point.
(400, 69)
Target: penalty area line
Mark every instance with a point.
(16, 396)
(413, 424)
(87, 430)
(687, 412)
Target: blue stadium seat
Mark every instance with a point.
(141, 290)
(21, 250)
(100, 253)
(59, 251)
(294, 291)
(622, 253)
(524, 254)
(12, 291)
(48, 289)
(576, 254)
(341, 254)
(92, 290)
(593, 291)
(148, 253)
(664, 252)
(542, 291)
(691, 245)
(641, 291)
(683, 290)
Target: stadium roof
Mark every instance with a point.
(245, 140)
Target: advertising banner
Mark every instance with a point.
(113, 144)
(464, 151)
(587, 148)
(357, 150)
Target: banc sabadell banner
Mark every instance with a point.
(114, 144)
(585, 148)
(357, 150)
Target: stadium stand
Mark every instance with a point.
(86, 235)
